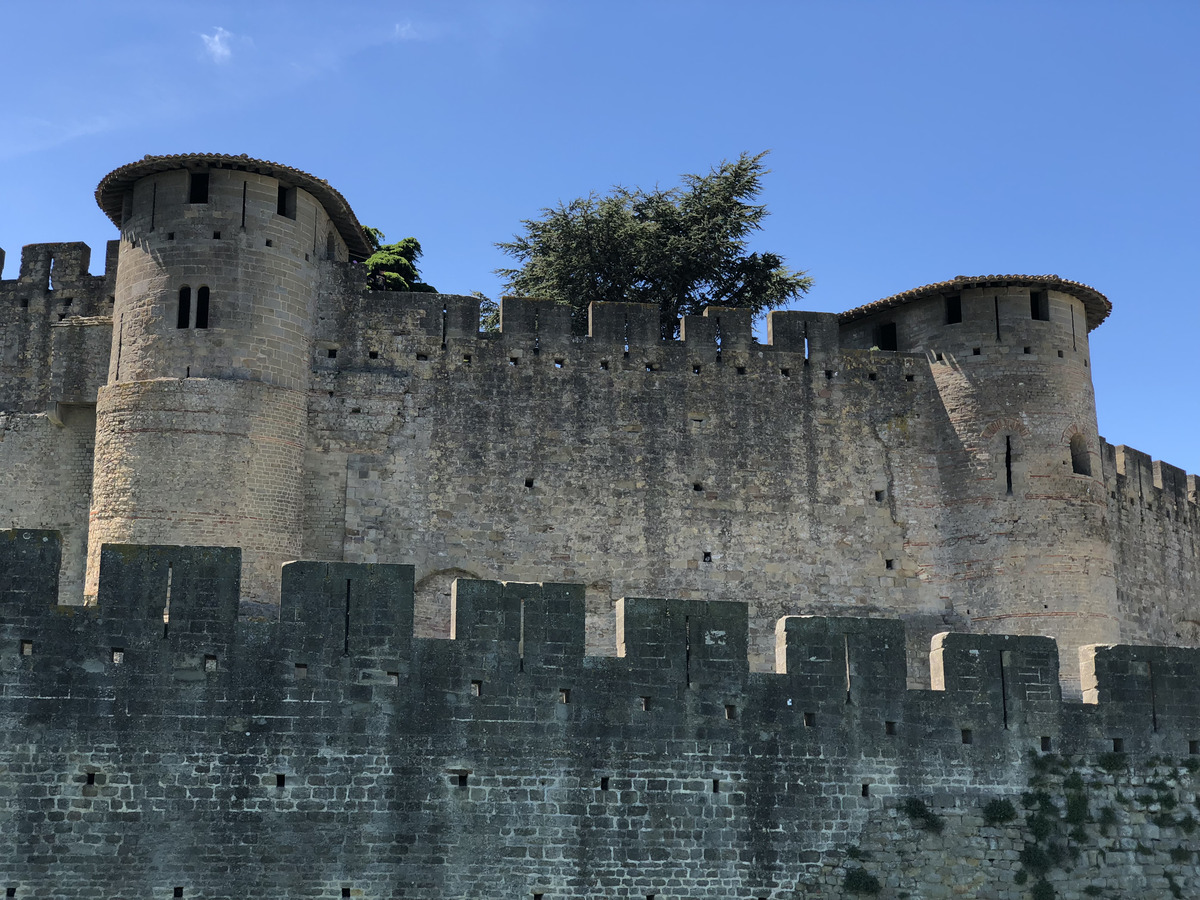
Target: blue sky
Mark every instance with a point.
(910, 141)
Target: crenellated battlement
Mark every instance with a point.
(386, 332)
(332, 752)
(167, 622)
(60, 266)
(1134, 474)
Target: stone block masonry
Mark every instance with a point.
(157, 745)
(928, 634)
(933, 456)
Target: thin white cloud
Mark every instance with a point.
(29, 135)
(216, 45)
(404, 31)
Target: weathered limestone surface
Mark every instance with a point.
(954, 478)
(904, 566)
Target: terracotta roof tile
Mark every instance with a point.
(1097, 305)
(112, 188)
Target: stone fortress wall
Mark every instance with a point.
(157, 745)
(894, 460)
(921, 466)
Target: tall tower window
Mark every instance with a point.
(1081, 460)
(954, 309)
(287, 202)
(1039, 306)
(885, 336)
(202, 307)
(198, 187)
(184, 317)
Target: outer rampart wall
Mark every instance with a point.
(333, 754)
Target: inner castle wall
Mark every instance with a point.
(811, 474)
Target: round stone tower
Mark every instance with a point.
(1021, 544)
(200, 430)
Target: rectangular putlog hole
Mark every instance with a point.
(967, 736)
(459, 778)
(810, 720)
(730, 711)
(476, 688)
(1047, 744)
(1193, 748)
(1118, 745)
(210, 663)
(300, 672)
(645, 704)
(604, 782)
(27, 648)
(889, 727)
(564, 695)
(118, 655)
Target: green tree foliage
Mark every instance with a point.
(860, 881)
(393, 267)
(489, 313)
(997, 812)
(682, 249)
